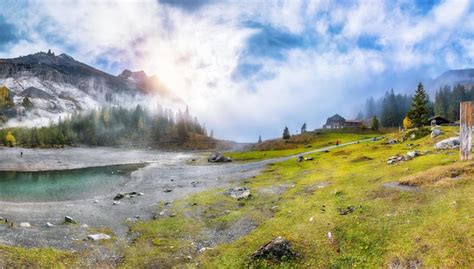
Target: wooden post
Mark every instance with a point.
(466, 130)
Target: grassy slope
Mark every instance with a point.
(433, 226)
(298, 144)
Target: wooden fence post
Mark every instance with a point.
(466, 130)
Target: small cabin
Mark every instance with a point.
(438, 120)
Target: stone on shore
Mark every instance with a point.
(25, 225)
(96, 237)
(70, 220)
(217, 157)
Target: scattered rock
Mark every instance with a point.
(330, 237)
(25, 225)
(436, 133)
(119, 196)
(238, 193)
(277, 250)
(217, 157)
(449, 143)
(394, 159)
(413, 154)
(116, 203)
(70, 220)
(131, 194)
(168, 190)
(50, 225)
(96, 201)
(392, 141)
(299, 159)
(85, 226)
(345, 211)
(96, 237)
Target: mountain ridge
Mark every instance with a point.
(60, 84)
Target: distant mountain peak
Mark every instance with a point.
(452, 77)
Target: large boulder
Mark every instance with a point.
(449, 143)
(238, 193)
(277, 250)
(217, 157)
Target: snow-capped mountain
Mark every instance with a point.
(58, 84)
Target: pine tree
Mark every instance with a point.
(419, 111)
(303, 128)
(27, 104)
(375, 123)
(286, 133)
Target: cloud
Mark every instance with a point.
(7, 33)
(251, 67)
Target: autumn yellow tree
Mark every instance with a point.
(5, 97)
(10, 139)
(407, 124)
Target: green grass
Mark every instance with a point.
(298, 144)
(433, 227)
(16, 257)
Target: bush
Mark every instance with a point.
(415, 133)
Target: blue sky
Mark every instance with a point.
(251, 67)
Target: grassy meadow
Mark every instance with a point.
(427, 221)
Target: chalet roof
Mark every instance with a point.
(438, 118)
(336, 117)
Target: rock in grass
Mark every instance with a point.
(449, 143)
(238, 193)
(277, 250)
(436, 133)
(413, 154)
(70, 220)
(345, 211)
(96, 237)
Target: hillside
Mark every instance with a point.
(464, 77)
(344, 208)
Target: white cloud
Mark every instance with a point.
(196, 53)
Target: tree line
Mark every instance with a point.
(111, 126)
(392, 108)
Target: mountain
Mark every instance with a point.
(453, 77)
(57, 84)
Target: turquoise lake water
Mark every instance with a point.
(63, 185)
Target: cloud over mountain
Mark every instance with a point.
(250, 67)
